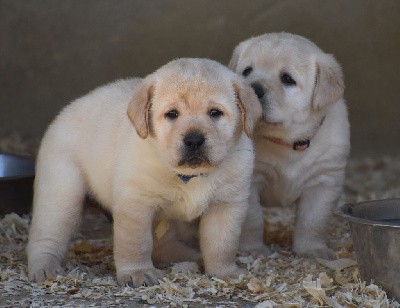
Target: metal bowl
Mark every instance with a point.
(375, 229)
(16, 183)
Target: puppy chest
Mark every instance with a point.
(186, 206)
(279, 189)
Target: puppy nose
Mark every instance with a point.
(258, 89)
(193, 140)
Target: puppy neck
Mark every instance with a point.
(299, 145)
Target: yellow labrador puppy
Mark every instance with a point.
(302, 142)
(174, 145)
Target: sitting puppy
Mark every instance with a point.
(172, 146)
(302, 142)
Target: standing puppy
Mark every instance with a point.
(173, 146)
(302, 141)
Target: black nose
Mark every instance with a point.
(258, 89)
(193, 141)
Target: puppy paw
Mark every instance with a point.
(137, 278)
(320, 253)
(44, 270)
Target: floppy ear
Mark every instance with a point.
(235, 56)
(249, 106)
(138, 108)
(329, 84)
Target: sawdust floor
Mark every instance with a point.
(279, 280)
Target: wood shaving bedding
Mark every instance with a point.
(279, 280)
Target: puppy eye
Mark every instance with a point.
(247, 71)
(287, 80)
(172, 114)
(215, 113)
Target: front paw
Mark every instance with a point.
(47, 267)
(137, 278)
(317, 253)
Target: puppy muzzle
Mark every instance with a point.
(260, 91)
(193, 160)
(193, 149)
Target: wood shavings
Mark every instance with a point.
(185, 268)
(14, 228)
(337, 265)
(325, 280)
(89, 253)
(369, 179)
(255, 285)
(266, 304)
(273, 281)
(314, 288)
(292, 305)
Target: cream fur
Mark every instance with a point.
(312, 179)
(92, 147)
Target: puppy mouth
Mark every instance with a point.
(194, 160)
(266, 116)
(262, 94)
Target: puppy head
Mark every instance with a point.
(194, 111)
(294, 80)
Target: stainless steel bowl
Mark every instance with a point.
(16, 183)
(375, 229)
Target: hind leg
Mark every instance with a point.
(57, 207)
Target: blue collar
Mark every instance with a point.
(186, 178)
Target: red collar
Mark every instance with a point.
(299, 145)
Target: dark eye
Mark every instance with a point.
(172, 114)
(287, 80)
(247, 71)
(215, 113)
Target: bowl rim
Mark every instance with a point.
(19, 177)
(343, 212)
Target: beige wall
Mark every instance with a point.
(52, 51)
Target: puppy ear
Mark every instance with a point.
(329, 84)
(138, 108)
(249, 106)
(235, 56)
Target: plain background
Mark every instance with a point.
(52, 51)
